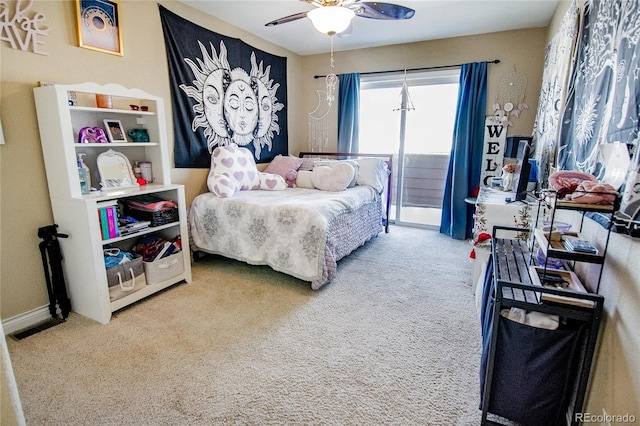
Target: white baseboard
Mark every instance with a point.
(26, 320)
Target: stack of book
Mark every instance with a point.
(108, 218)
(578, 245)
(127, 227)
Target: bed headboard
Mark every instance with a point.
(387, 158)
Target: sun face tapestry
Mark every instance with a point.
(603, 103)
(223, 91)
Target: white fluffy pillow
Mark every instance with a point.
(303, 180)
(332, 163)
(373, 172)
(335, 179)
(232, 169)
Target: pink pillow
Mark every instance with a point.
(307, 164)
(287, 167)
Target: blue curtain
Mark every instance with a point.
(466, 152)
(348, 112)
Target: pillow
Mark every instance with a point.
(272, 182)
(307, 164)
(287, 167)
(332, 163)
(336, 178)
(304, 179)
(232, 169)
(373, 172)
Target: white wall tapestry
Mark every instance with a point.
(557, 63)
(19, 29)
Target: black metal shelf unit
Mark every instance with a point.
(530, 375)
(554, 249)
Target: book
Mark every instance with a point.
(132, 228)
(112, 218)
(104, 223)
(582, 246)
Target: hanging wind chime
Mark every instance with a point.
(406, 104)
(332, 78)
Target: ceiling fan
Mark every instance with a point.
(334, 16)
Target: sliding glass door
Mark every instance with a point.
(420, 139)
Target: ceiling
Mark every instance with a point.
(434, 19)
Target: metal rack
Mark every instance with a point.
(510, 284)
(555, 249)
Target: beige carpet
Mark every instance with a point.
(394, 340)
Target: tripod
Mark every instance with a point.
(50, 248)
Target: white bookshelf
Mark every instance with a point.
(75, 213)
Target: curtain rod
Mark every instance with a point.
(495, 61)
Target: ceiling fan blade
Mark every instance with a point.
(376, 10)
(286, 19)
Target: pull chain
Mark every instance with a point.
(331, 80)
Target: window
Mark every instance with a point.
(420, 139)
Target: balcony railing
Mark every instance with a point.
(424, 180)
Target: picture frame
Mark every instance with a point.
(115, 131)
(98, 24)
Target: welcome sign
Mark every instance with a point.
(495, 137)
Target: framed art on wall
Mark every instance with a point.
(98, 24)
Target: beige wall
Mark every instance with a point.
(522, 50)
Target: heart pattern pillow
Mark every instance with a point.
(232, 169)
(272, 182)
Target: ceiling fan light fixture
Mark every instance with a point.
(331, 19)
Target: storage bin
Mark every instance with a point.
(534, 373)
(126, 278)
(164, 268)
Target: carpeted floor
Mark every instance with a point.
(394, 340)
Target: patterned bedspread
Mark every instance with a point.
(300, 232)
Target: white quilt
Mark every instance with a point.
(286, 230)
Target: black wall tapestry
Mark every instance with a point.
(557, 64)
(223, 91)
(603, 102)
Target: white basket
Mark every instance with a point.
(162, 269)
(126, 278)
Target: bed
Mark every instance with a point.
(299, 231)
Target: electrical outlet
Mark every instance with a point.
(140, 120)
